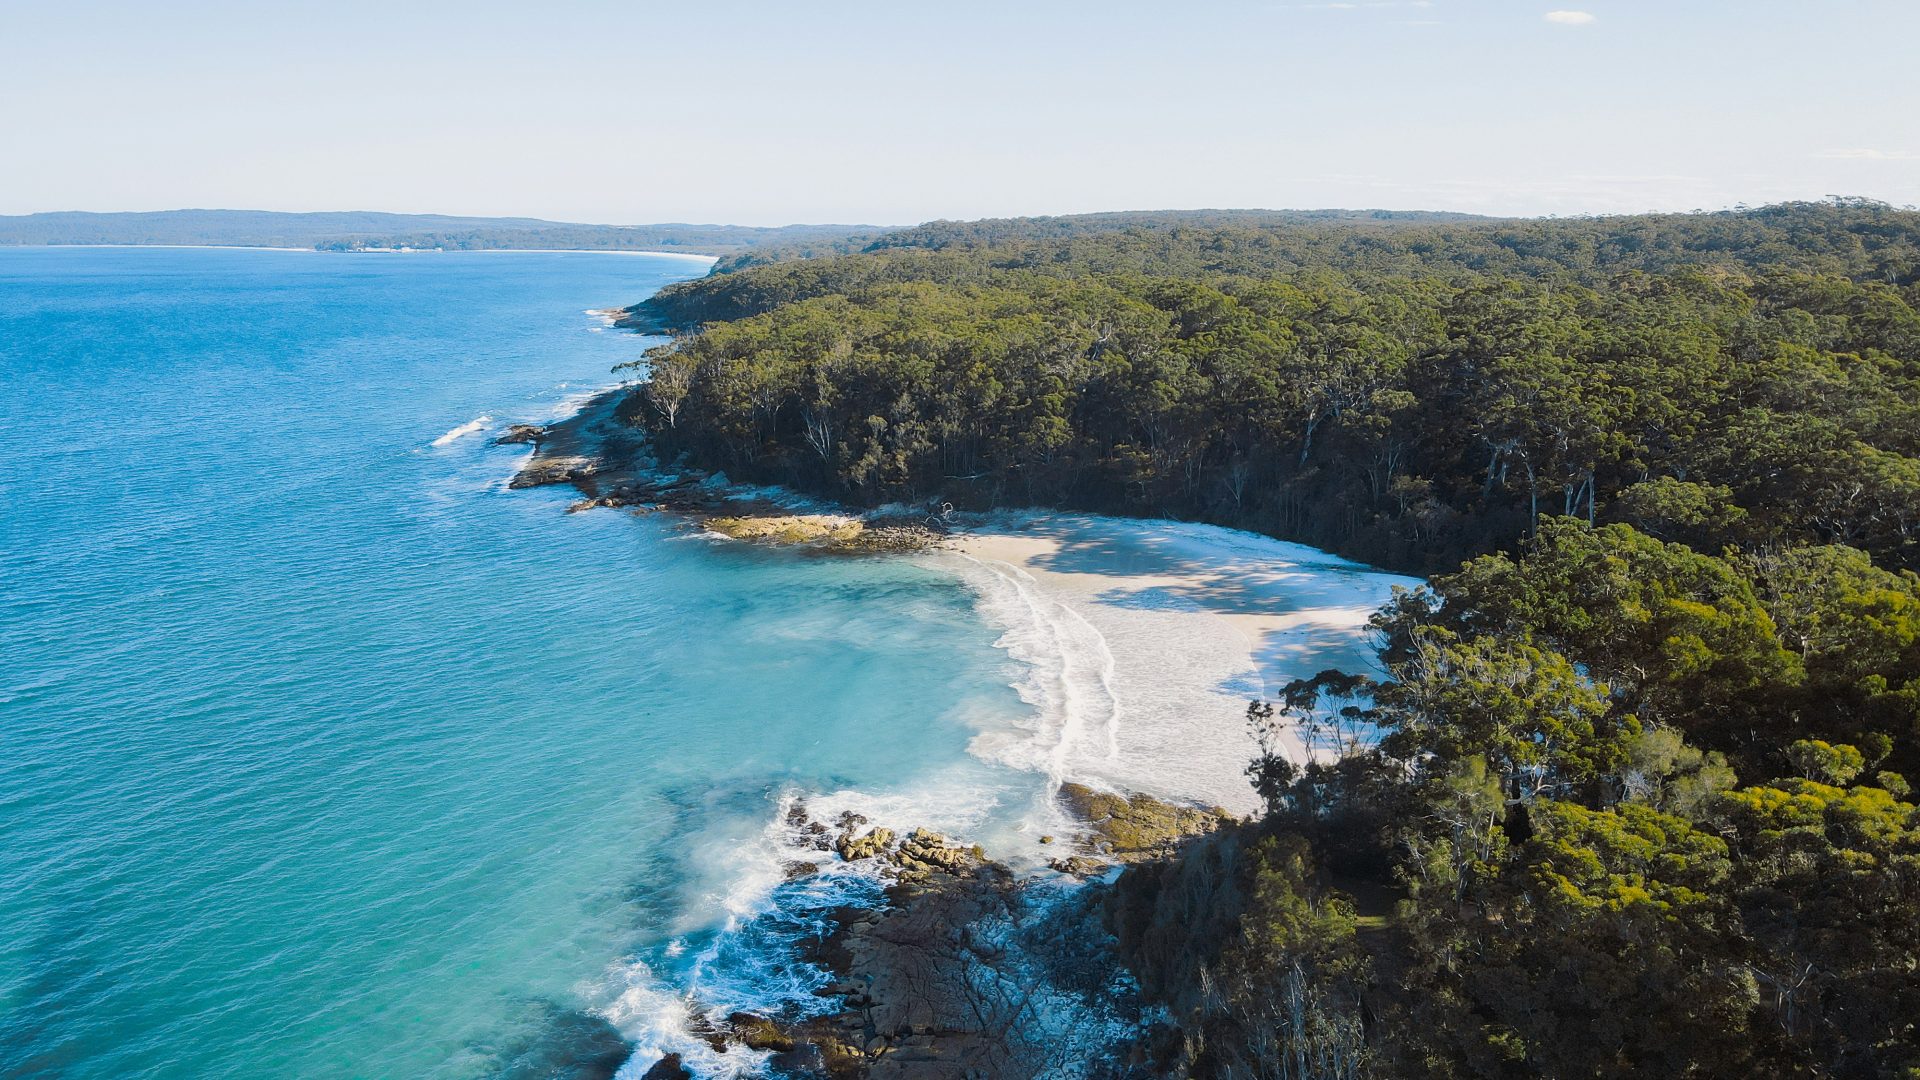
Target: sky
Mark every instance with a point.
(897, 112)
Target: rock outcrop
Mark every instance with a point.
(1125, 828)
(607, 459)
(540, 473)
(936, 984)
(827, 532)
(522, 434)
(668, 1068)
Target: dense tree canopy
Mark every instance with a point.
(1408, 420)
(1623, 819)
(1633, 797)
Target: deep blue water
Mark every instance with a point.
(321, 753)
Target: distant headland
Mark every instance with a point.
(356, 230)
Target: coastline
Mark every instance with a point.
(1139, 641)
(697, 257)
(1136, 643)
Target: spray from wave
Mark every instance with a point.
(778, 891)
(478, 423)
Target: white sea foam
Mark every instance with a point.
(1069, 672)
(660, 1021)
(749, 962)
(573, 400)
(1134, 645)
(476, 424)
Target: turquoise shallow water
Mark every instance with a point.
(321, 753)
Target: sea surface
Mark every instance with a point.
(322, 754)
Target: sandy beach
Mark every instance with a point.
(1143, 641)
(1138, 643)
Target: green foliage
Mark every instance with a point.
(1598, 956)
(1665, 772)
(1679, 510)
(1828, 884)
(1577, 886)
(1540, 726)
(1858, 628)
(1631, 797)
(1680, 637)
(1856, 240)
(1255, 957)
(1825, 762)
(1408, 392)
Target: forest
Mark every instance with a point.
(1747, 380)
(1629, 793)
(1637, 811)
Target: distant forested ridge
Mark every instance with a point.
(353, 230)
(1407, 391)
(1629, 791)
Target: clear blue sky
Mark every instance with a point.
(762, 113)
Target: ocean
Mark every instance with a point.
(323, 754)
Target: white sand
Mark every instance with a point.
(1141, 643)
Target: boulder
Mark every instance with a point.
(871, 845)
(668, 1068)
(1080, 866)
(924, 852)
(1132, 828)
(522, 433)
(758, 1032)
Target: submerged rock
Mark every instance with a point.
(550, 1041)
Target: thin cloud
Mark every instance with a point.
(1861, 153)
(1368, 5)
(1570, 18)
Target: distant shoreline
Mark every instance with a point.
(373, 251)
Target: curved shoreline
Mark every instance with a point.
(1141, 640)
(1136, 644)
(1195, 621)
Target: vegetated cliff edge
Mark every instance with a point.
(1651, 734)
(1407, 394)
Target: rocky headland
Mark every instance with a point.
(606, 458)
(949, 977)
